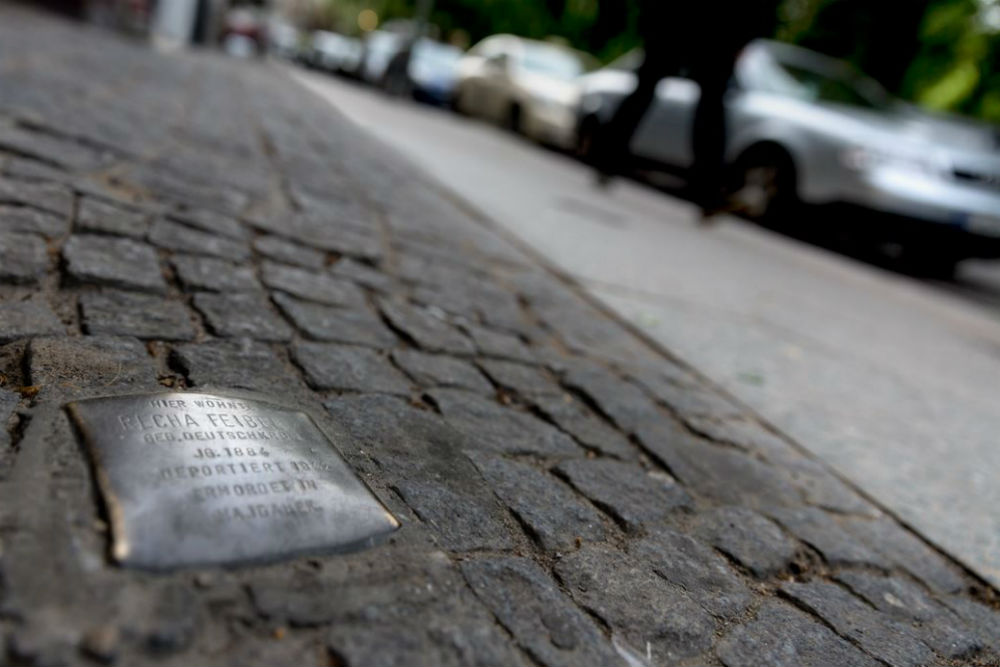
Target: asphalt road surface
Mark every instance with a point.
(891, 380)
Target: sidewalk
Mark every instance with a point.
(568, 495)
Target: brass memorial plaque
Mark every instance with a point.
(198, 479)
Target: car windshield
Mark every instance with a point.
(551, 61)
(813, 82)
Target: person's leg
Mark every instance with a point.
(611, 154)
(708, 142)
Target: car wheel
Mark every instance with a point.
(765, 187)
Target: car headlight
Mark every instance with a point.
(866, 158)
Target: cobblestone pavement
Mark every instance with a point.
(569, 496)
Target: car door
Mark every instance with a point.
(664, 135)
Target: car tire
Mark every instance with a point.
(764, 187)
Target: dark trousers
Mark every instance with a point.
(708, 134)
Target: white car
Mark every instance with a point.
(526, 85)
(378, 48)
(334, 52)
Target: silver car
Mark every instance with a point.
(807, 128)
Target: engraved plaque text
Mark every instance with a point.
(198, 479)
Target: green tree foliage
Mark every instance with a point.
(957, 67)
(942, 54)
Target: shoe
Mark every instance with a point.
(710, 211)
(603, 179)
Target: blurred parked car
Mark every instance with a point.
(526, 85)
(283, 40)
(430, 73)
(808, 128)
(243, 33)
(378, 49)
(333, 52)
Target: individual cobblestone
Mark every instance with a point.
(555, 517)
(363, 275)
(214, 275)
(243, 364)
(721, 474)
(625, 404)
(65, 153)
(289, 252)
(906, 551)
(128, 314)
(646, 613)
(493, 305)
(348, 368)
(435, 370)
(743, 433)
(522, 379)
(591, 333)
(983, 620)
(492, 428)
(356, 326)
(422, 458)
(887, 640)
(634, 497)
(211, 222)
(23, 258)
(529, 604)
(498, 344)
(182, 238)
(50, 197)
(936, 625)
(591, 431)
(69, 367)
(25, 319)
(817, 529)
(98, 217)
(430, 332)
(115, 262)
(27, 220)
(686, 562)
(239, 315)
(311, 286)
(749, 538)
(352, 241)
(782, 636)
(686, 400)
(819, 487)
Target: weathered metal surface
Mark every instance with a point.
(197, 479)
